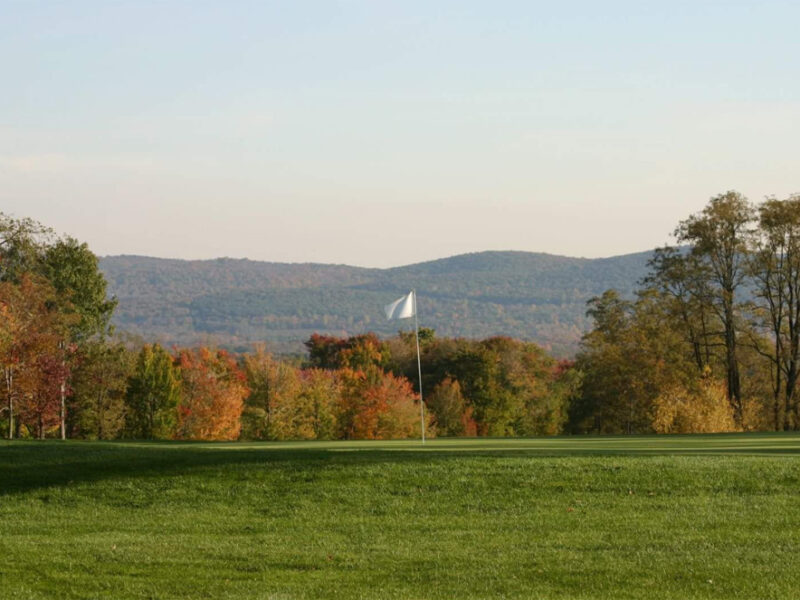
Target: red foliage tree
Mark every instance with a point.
(356, 352)
(42, 383)
(33, 354)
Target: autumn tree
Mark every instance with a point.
(626, 361)
(718, 238)
(701, 409)
(272, 407)
(504, 386)
(32, 333)
(713, 310)
(259, 370)
(213, 389)
(552, 393)
(76, 289)
(359, 352)
(100, 383)
(681, 278)
(321, 395)
(286, 402)
(152, 395)
(9, 328)
(377, 406)
(324, 350)
(451, 413)
(401, 352)
(306, 404)
(43, 388)
(607, 403)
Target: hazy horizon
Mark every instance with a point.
(381, 135)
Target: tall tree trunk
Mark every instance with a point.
(789, 419)
(100, 415)
(705, 336)
(63, 411)
(777, 400)
(151, 417)
(10, 391)
(732, 365)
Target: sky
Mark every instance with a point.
(385, 133)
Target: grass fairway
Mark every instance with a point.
(587, 517)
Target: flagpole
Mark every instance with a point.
(419, 368)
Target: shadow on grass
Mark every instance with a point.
(26, 465)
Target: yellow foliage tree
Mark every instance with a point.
(703, 410)
(288, 403)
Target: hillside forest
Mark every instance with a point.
(708, 341)
(238, 303)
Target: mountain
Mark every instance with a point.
(231, 302)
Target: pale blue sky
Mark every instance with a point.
(383, 133)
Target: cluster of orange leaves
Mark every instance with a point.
(213, 394)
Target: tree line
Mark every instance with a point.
(67, 374)
(709, 342)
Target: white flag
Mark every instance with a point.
(402, 308)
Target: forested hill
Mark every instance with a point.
(538, 297)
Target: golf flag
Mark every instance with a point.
(402, 308)
(405, 308)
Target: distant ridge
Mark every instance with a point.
(237, 302)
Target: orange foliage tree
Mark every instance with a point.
(214, 389)
(377, 405)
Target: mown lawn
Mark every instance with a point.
(587, 517)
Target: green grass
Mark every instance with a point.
(589, 517)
